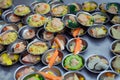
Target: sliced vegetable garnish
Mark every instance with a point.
(78, 46)
(76, 32)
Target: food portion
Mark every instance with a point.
(113, 8)
(85, 19)
(54, 25)
(13, 18)
(37, 48)
(21, 10)
(73, 62)
(8, 59)
(74, 8)
(116, 64)
(116, 20)
(89, 6)
(116, 48)
(34, 76)
(59, 10)
(98, 31)
(42, 8)
(97, 63)
(78, 32)
(19, 47)
(4, 4)
(9, 27)
(70, 21)
(28, 33)
(36, 20)
(27, 58)
(102, 7)
(100, 18)
(47, 36)
(24, 70)
(58, 55)
(8, 38)
(76, 45)
(108, 76)
(74, 76)
(115, 32)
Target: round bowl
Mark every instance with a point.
(74, 68)
(51, 51)
(98, 63)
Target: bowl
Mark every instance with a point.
(44, 35)
(85, 19)
(71, 44)
(98, 31)
(19, 70)
(53, 29)
(8, 37)
(7, 27)
(55, 70)
(114, 64)
(74, 74)
(76, 65)
(89, 6)
(8, 4)
(113, 8)
(74, 7)
(48, 54)
(19, 10)
(114, 31)
(70, 21)
(108, 75)
(94, 63)
(29, 59)
(17, 47)
(26, 32)
(7, 59)
(37, 47)
(115, 19)
(100, 17)
(115, 49)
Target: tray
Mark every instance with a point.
(95, 46)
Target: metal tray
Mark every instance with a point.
(95, 46)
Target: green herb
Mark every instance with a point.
(72, 24)
(72, 9)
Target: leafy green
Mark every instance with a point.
(72, 9)
(72, 24)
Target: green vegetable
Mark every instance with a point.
(72, 24)
(72, 9)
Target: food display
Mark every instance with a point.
(73, 62)
(54, 25)
(85, 19)
(114, 31)
(21, 10)
(37, 47)
(36, 20)
(41, 8)
(59, 10)
(8, 37)
(89, 6)
(98, 31)
(97, 63)
(55, 39)
(7, 59)
(77, 45)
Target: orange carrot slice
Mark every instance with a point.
(59, 43)
(76, 32)
(78, 46)
(53, 58)
(50, 77)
